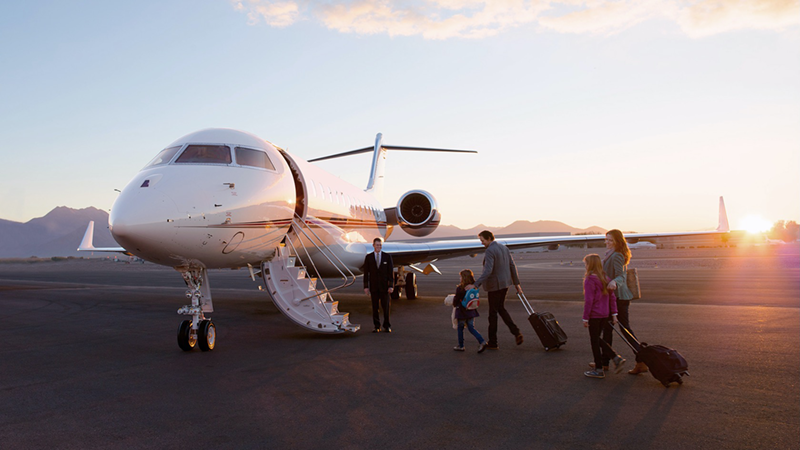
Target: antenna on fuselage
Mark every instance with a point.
(375, 183)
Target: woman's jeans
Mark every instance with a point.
(471, 328)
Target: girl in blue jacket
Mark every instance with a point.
(466, 316)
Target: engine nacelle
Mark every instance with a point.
(417, 213)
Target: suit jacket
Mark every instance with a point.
(499, 271)
(378, 278)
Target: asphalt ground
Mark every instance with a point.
(89, 359)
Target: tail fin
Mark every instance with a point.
(375, 183)
(723, 216)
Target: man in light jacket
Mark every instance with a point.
(499, 272)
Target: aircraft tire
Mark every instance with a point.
(411, 286)
(185, 340)
(207, 335)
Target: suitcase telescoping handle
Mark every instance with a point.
(525, 303)
(630, 336)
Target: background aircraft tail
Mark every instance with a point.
(723, 216)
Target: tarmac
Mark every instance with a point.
(90, 360)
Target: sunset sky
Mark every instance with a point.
(627, 114)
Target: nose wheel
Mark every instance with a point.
(187, 338)
(197, 331)
(204, 337)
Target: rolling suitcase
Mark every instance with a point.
(666, 364)
(545, 325)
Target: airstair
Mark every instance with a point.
(305, 300)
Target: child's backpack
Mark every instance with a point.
(471, 299)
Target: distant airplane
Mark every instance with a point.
(222, 198)
(642, 244)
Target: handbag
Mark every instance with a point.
(633, 283)
(448, 301)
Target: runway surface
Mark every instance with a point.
(90, 360)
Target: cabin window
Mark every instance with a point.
(253, 158)
(163, 157)
(205, 154)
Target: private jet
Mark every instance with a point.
(223, 198)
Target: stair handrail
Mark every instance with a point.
(348, 280)
(326, 247)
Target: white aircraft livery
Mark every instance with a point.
(222, 198)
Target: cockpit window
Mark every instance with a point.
(163, 157)
(253, 158)
(205, 154)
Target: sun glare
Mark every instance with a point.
(755, 224)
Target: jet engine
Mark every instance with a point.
(416, 213)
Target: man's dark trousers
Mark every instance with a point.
(497, 300)
(383, 299)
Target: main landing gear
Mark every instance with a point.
(199, 331)
(404, 281)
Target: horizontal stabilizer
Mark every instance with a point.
(390, 147)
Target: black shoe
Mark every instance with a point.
(376, 330)
(388, 329)
(492, 347)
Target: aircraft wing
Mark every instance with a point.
(416, 252)
(87, 244)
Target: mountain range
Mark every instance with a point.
(59, 232)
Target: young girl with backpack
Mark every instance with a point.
(466, 309)
(599, 313)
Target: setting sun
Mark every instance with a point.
(755, 224)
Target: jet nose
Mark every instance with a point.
(141, 220)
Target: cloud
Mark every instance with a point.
(707, 17)
(275, 13)
(444, 19)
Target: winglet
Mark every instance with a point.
(87, 244)
(723, 216)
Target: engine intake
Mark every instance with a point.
(416, 212)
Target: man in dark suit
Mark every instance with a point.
(379, 283)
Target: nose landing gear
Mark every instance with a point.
(199, 331)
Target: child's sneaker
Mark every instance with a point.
(458, 349)
(618, 361)
(482, 347)
(595, 374)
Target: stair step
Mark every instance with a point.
(297, 272)
(341, 319)
(332, 307)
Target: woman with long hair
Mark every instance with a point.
(615, 265)
(599, 313)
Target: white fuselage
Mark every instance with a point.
(216, 213)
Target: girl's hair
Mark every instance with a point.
(466, 277)
(594, 266)
(620, 244)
